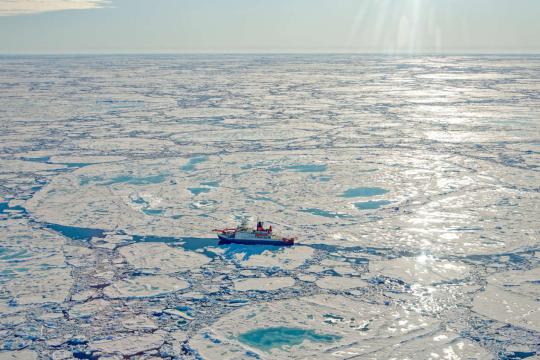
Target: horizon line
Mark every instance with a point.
(387, 53)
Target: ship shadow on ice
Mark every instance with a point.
(206, 245)
(244, 252)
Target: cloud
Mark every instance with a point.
(22, 7)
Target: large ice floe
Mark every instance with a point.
(129, 345)
(422, 269)
(411, 183)
(327, 326)
(263, 283)
(512, 297)
(144, 285)
(161, 258)
(34, 270)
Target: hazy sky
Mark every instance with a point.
(394, 26)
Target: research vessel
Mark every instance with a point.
(243, 234)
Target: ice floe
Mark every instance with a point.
(511, 297)
(263, 284)
(162, 258)
(286, 258)
(35, 272)
(19, 355)
(350, 328)
(144, 286)
(410, 182)
(89, 308)
(129, 345)
(340, 282)
(423, 270)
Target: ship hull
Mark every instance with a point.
(232, 239)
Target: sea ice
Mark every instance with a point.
(144, 286)
(286, 258)
(263, 284)
(129, 345)
(410, 182)
(422, 269)
(33, 266)
(364, 330)
(340, 282)
(511, 297)
(19, 355)
(89, 308)
(162, 258)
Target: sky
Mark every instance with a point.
(269, 26)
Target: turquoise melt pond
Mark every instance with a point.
(364, 192)
(153, 211)
(125, 179)
(370, 205)
(198, 190)
(308, 168)
(193, 162)
(276, 337)
(145, 180)
(325, 213)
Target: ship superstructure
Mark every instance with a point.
(243, 234)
